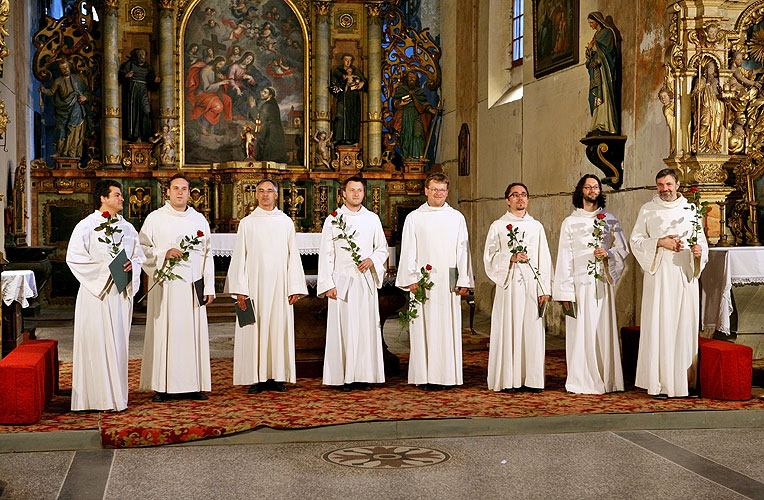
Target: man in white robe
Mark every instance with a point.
(516, 354)
(266, 267)
(353, 354)
(102, 315)
(668, 340)
(176, 351)
(591, 338)
(436, 234)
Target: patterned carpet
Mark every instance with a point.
(309, 404)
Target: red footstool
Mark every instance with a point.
(725, 370)
(49, 347)
(22, 387)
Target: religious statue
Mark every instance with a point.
(707, 111)
(71, 103)
(138, 78)
(412, 116)
(347, 83)
(271, 142)
(249, 140)
(166, 141)
(603, 64)
(140, 203)
(323, 148)
(666, 96)
(743, 101)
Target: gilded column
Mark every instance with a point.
(167, 112)
(322, 63)
(111, 131)
(374, 33)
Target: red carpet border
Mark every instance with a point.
(309, 404)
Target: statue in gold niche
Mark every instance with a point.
(707, 111)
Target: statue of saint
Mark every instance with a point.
(323, 148)
(347, 83)
(271, 143)
(602, 61)
(707, 111)
(666, 96)
(71, 102)
(412, 117)
(138, 78)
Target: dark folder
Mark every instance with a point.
(569, 311)
(245, 317)
(117, 269)
(199, 289)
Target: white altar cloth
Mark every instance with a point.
(19, 286)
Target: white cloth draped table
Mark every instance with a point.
(222, 243)
(18, 286)
(727, 267)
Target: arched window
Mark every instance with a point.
(518, 18)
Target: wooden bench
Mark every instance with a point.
(28, 380)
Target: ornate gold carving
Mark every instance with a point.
(65, 185)
(138, 202)
(374, 8)
(112, 159)
(376, 200)
(322, 7)
(39, 164)
(320, 205)
(322, 115)
(166, 4)
(19, 201)
(112, 113)
(345, 20)
(111, 3)
(743, 221)
(3, 118)
(294, 197)
(5, 14)
(199, 198)
(138, 13)
(396, 187)
(375, 116)
(167, 113)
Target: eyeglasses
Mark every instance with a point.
(438, 190)
(518, 195)
(590, 188)
(266, 191)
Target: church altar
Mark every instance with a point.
(728, 267)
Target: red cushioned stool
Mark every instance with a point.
(49, 347)
(725, 370)
(22, 387)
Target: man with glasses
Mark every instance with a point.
(517, 259)
(351, 267)
(266, 268)
(662, 243)
(435, 240)
(590, 261)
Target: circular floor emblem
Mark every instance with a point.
(386, 457)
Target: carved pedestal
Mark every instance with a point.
(414, 166)
(137, 157)
(606, 153)
(66, 163)
(714, 219)
(347, 159)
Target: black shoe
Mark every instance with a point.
(533, 390)
(425, 387)
(197, 396)
(279, 387)
(660, 396)
(160, 397)
(509, 390)
(346, 388)
(255, 388)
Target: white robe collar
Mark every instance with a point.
(513, 218)
(167, 208)
(345, 210)
(681, 200)
(259, 212)
(427, 208)
(580, 212)
(98, 213)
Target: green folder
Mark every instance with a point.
(453, 277)
(117, 269)
(245, 317)
(199, 289)
(569, 311)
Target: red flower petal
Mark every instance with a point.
(199, 233)
(428, 267)
(509, 226)
(105, 215)
(334, 214)
(693, 189)
(600, 216)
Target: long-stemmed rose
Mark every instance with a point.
(165, 273)
(516, 245)
(420, 297)
(598, 233)
(699, 209)
(352, 247)
(109, 232)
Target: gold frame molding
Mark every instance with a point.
(185, 8)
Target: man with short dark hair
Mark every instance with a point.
(668, 341)
(523, 285)
(590, 261)
(266, 268)
(435, 239)
(102, 314)
(176, 351)
(351, 267)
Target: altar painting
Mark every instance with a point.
(234, 51)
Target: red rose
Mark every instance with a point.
(105, 215)
(509, 227)
(334, 214)
(600, 216)
(199, 233)
(693, 189)
(428, 267)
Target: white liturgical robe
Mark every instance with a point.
(102, 316)
(176, 351)
(353, 332)
(516, 354)
(436, 236)
(266, 267)
(668, 339)
(591, 338)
